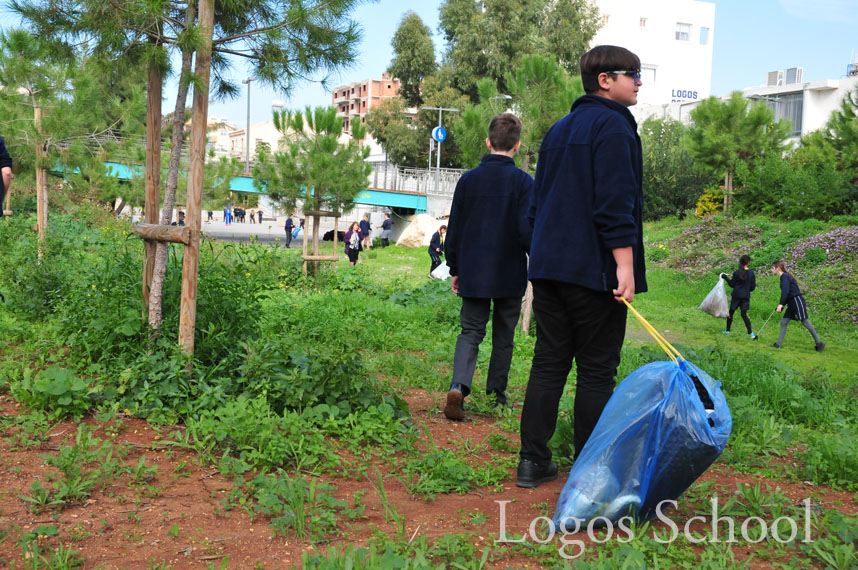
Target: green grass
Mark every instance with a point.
(315, 366)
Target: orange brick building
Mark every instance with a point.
(354, 100)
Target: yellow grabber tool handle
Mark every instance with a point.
(674, 354)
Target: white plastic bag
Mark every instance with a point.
(716, 303)
(441, 272)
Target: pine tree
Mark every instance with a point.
(725, 133)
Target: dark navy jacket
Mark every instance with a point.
(588, 197)
(789, 288)
(742, 289)
(488, 235)
(435, 244)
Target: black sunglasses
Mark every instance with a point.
(634, 74)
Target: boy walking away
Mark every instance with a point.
(436, 248)
(386, 227)
(796, 306)
(587, 254)
(743, 282)
(288, 227)
(487, 244)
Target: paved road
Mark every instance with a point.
(269, 231)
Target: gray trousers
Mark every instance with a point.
(807, 324)
(473, 319)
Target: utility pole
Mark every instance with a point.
(438, 152)
(247, 130)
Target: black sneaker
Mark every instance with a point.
(531, 474)
(820, 346)
(454, 408)
(776, 345)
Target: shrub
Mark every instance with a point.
(710, 202)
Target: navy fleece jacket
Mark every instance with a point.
(742, 288)
(588, 197)
(488, 234)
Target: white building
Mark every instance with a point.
(808, 106)
(673, 39)
(260, 132)
(217, 135)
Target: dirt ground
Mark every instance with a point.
(182, 525)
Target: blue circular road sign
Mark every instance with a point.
(439, 134)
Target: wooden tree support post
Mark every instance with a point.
(153, 171)
(158, 232)
(527, 309)
(41, 185)
(315, 257)
(190, 262)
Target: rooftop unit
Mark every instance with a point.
(786, 77)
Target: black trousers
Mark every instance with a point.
(436, 261)
(572, 323)
(743, 305)
(473, 318)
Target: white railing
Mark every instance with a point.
(387, 176)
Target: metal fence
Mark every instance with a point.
(387, 176)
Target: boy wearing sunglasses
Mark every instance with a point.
(586, 255)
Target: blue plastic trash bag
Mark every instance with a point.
(295, 232)
(658, 433)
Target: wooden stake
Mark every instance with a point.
(159, 232)
(190, 262)
(41, 184)
(527, 309)
(153, 172)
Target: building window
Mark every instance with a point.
(605, 18)
(643, 23)
(790, 107)
(704, 36)
(683, 32)
(648, 74)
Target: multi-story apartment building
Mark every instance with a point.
(673, 39)
(217, 135)
(353, 101)
(260, 132)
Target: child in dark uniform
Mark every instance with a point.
(796, 307)
(743, 282)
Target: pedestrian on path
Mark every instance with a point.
(436, 248)
(587, 254)
(487, 243)
(386, 227)
(796, 306)
(743, 282)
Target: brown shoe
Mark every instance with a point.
(454, 408)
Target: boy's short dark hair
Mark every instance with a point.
(605, 58)
(504, 131)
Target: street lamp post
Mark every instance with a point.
(247, 130)
(438, 152)
(505, 98)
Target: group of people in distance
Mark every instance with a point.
(238, 214)
(580, 222)
(743, 281)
